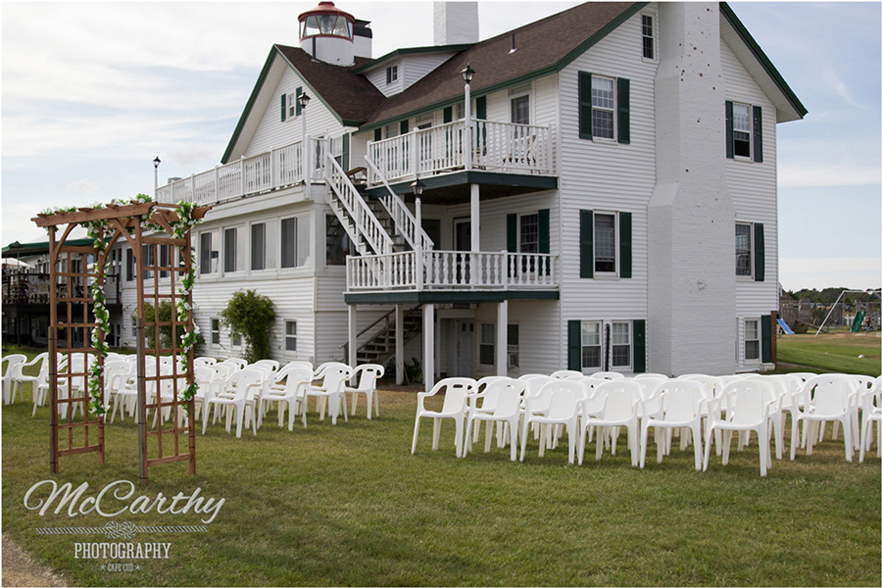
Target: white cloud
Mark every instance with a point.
(827, 175)
(82, 186)
(796, 273)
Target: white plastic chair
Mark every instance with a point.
(116, 375)
(507, 393)
(747, 408)
(234, 394)
(293, 394)
(621, 405)
(367, 375)
(456, 392)
(271, 363)
(871, 416)
(204, 376)
(563, 410)
(608, 375)
(334, 376)
(204, 362)
(564, 374)
(680, 405)
(236, 362)
(18, 377)
(11, 361)
(827, 397)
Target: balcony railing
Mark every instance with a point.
(493, 146)
(266, 171)
(451, 270)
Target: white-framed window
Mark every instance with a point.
(292, 106)
(743, 249)
(215, 331)
(528, 233)
(621, 345)
(742, 130)
(487, 346)
(751, 340)
(294, 241)
(208, 254)
(647, 22)
(520, 109)
(603, 107)
(391, 74)
(290, 335)
(235, 338)
(591, 349)
(258, 246)
(231, 250)
(460, 111)
(514, 355)
(605, 243)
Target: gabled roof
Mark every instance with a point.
(351, 98)
(543, 47)
(411, 51)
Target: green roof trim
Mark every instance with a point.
(763, 59)
(17, 249)
(596, 37)
(412, 51)
(249, 105)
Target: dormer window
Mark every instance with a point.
(391, 74)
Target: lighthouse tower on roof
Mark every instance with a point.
(327, 33)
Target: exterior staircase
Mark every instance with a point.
(380, 348)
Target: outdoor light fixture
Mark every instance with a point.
(417, 187)
(468, 74)
(303, 100)
(156, 163)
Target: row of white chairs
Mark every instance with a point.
(696, 404)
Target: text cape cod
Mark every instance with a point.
(115, 499)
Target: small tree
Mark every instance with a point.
(251, 315)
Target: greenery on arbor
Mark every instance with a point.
(251, 315)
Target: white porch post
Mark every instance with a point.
(399, 344)
(502, 339)
(353, 335)
(429, 346)
(476, 217)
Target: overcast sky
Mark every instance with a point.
(93, 92)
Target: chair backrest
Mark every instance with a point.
(535, 383)
(681, 399)
(565, 398)
(115, 375)
(13, 360)
(650, 375)
(620, 398)
(828, 394)
(272, 363)
(236, 362)
(204, 361)
(508, 393)
(296, 377)
(564, 374)
(713, 385)
(608, 375)
(292, 365)
(204, 375)
(456, 391)
(245, 381)
(334, 377)
(368, 374)
(650, 384)
(746, 400)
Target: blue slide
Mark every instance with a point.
(787, 330)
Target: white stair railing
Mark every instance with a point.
(357, 219)
(405, 222)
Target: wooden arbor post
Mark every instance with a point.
(70, 291)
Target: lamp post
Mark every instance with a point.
(156, 163)
(303, 100)
(467, 75)
(417, 188)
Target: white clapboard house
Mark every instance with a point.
(600, 196)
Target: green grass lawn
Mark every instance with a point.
(837, 352)
(349, 505)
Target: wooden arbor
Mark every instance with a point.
(74, 429)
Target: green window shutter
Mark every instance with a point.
(405, 127)
(586, 244)
(448, 114)
(730, 132)
(511, 237)
(481, 108)
(766, 322)
(624, 110)
(759, 253)
(378, 134)
(345, 163)
(545, 235)
(574, 345)
(758, 134)
(297, 94)
(639, 346)
(284, 106)
(625, 244)
(585, 130)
